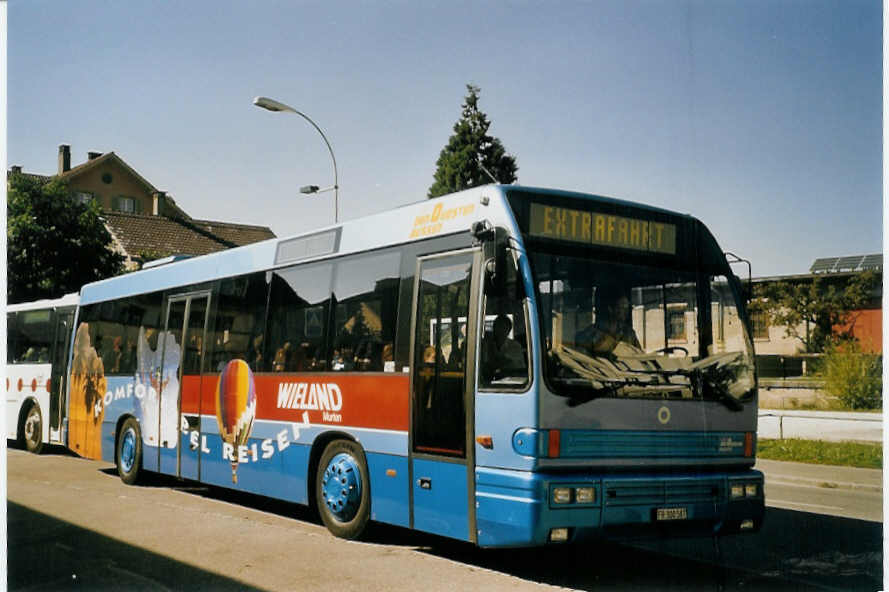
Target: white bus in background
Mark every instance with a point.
(38, 338)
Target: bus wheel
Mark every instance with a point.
(32, 430)
(343, 489)
(129, 452)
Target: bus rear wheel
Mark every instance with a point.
(129, 452)
(342, 489)
(32, 430)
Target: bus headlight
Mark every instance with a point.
(562, 495)
(585, 495)
(741, 490)
(558, 535)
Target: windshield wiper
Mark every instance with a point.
(596, 377)
(604, 376)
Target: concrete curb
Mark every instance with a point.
(821, 476)
(821, 483)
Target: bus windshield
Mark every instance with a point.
(618, 330)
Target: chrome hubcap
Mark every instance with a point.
(32, 425)
(128, 450)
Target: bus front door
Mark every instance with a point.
(180, 413)
(57, 404)
(442, 379)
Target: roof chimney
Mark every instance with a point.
(93, 155)
(64, 158)
(157, 205)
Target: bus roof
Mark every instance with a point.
(449, 214)
(66, 300)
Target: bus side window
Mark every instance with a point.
(299, 303)
(11, 334)
(504, 348)
(240, 320)
(366, 292)
(35, 332)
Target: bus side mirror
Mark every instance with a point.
(746, 289)
(495, 268)
(483, 231)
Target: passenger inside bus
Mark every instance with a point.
(613, 323)
(501, 355)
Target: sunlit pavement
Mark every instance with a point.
(73, 524)
(823, 489)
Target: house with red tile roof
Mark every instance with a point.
(145, 223)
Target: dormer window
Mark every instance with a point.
(84, 197)
(127, 205)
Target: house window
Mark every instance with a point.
(125, 204)
(760, 321)
(676, 324)
(84, 197)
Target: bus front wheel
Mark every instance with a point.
(342, 489)
(32, 430)
(129, 452)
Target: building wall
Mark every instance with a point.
(868, 329)
(778, 342)
(123, 184)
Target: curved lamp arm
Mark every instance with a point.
(276, 106)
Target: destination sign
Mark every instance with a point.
(593, 228)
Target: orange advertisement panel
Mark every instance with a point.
(88, 386)
(368, 400)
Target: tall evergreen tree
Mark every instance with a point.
(471, 151)
(55, 244)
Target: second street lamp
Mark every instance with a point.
(276, 106)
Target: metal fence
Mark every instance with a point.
(784, 367)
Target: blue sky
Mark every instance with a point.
(761, 118)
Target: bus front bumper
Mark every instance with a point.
(518, 508)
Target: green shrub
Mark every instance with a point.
(856, 378)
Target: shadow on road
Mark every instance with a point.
(45, 553)
(48, 449)
(794, 551)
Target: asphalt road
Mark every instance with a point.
(836, 491)
(73, 525)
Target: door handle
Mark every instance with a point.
(424, 483)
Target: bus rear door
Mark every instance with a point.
(442, 379)
(187, 324)
(61, 349)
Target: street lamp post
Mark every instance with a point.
(275, 106)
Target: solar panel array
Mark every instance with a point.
(853, 263)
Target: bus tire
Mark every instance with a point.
(31, 438)
(129, 452)
(342, 489)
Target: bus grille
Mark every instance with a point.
(649, 444)
(662, 492)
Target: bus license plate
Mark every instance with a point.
(671, 514)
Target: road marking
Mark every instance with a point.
(786, 503)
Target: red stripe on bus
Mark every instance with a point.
(364, 400)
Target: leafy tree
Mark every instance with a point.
(55, 244)
(854, 377)
(471, 151)
(818, 312)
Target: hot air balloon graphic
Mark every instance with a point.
(235, 407)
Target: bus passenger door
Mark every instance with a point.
(180, 403)
(59, 374)
(442, 379)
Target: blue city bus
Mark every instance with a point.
(508, 366)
